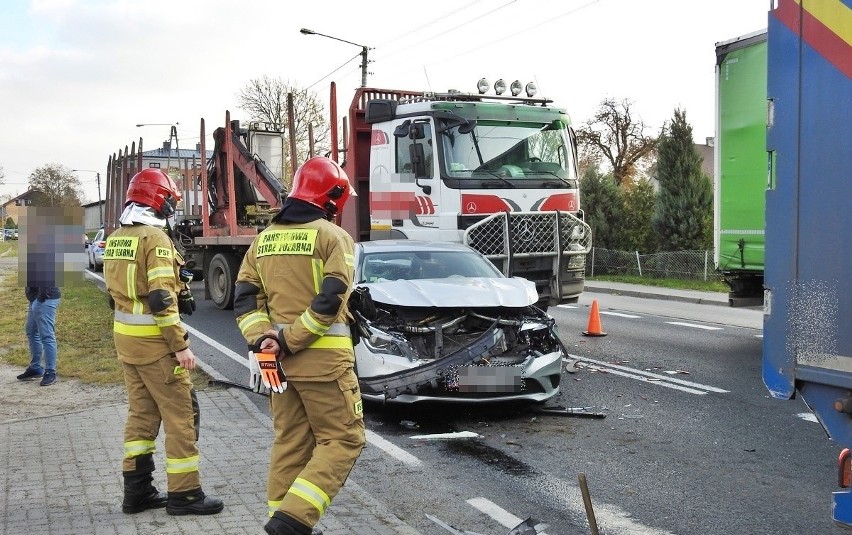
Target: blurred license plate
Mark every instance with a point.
(490, 379)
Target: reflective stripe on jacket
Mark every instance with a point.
(292, 266)
(141, 260)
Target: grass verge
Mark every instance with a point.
(83, 332)
(679, 284)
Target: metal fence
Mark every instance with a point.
(666, 265)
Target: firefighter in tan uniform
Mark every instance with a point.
(141, 269)
(290, 296)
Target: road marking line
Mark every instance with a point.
(236, 357)
(684, 324)
(392, 450)
(567, 306)
(642, 375)
(502, 516)
(808, 417)
(619, 314)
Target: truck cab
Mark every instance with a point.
(498, 174)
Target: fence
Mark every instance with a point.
(666, 265)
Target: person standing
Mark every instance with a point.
(290, 299)
(142, 273)
(41, 333)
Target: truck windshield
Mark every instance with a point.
(503, 154)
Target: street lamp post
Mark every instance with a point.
(100, 205)
(364, 50)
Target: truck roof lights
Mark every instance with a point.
(532, 90)
(500, 86)
(482, 86)
(516, 88)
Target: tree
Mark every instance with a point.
(265, 99)
(637, 233)
(2, 176)
(602, 205)
(684, 206)
(618, 138)
(58, 185)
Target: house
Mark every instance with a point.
(93, 216)
(12, 207)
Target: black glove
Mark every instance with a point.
(186, 303)
(186, 275)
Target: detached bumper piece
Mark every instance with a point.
(490, 344)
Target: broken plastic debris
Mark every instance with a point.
(447, 436)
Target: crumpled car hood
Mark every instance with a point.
(463, 292)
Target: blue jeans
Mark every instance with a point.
(41, 332)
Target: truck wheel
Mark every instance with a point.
(220, 279)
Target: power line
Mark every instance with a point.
(456, 55)
(334, 71)
(477, 17)
(430, 23)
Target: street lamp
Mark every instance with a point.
(100, 206)
(364, 50)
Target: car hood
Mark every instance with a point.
(463, 292)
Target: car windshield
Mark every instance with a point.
(409, 265)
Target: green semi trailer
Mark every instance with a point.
(741, 166)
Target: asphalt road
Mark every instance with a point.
(691, 443)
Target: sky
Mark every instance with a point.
(77, 76)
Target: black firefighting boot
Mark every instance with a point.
(193, 502)
(140, 494)
(281, 524)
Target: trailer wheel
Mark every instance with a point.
(221, 278)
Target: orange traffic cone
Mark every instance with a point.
(594, 328)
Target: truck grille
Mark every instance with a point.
(529, 234)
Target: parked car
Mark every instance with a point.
(10, 234)
(438, 322)
(95, 251)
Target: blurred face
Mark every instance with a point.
(49, 252)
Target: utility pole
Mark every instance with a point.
(100, 203)
(364, 49)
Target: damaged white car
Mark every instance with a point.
(438, 322)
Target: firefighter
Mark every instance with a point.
(290, 299)
(142, 270)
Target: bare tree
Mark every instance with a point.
(614, 135)
(265, 99)
(2, 176)
(58, 186)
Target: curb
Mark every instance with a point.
(650, 294)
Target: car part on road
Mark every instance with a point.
(579, 412)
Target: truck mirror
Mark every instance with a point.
(417, 131)
(403, 129)
(427, 189)
(418, 160)
(467, 128)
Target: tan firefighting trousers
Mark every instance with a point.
(157, 392)
(319, 433)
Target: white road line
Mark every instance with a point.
(391, 449)
(619, 314)
(502, 516)
(684, 324)
(693, 388)
(567, 306)
(808, 417)
(236, 357)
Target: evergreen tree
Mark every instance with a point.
(601, 200)
(636, 231)
(685, 200)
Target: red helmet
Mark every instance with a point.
(154, 188)
(321, 182)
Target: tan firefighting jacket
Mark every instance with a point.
(300, 277)
(141, 269)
